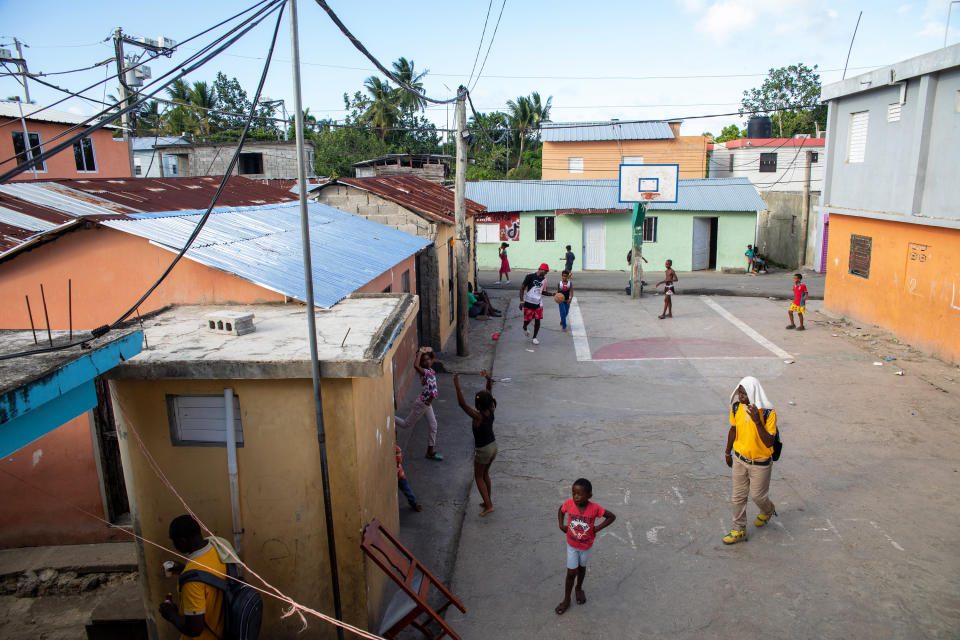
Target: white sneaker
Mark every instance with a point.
(535, 341)
(526, 332)
(507, 282)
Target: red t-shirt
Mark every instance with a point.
(580, 524)
(799, 290)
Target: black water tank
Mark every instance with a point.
(759, 127)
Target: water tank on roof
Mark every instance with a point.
(759, 127)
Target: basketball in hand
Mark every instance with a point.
(559, 297)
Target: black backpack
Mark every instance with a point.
(777, 444)
(242, 605)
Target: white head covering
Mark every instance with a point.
(754, 392)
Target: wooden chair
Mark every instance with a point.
(409, 606)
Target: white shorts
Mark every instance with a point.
(577, 557)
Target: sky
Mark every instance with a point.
(599, 60)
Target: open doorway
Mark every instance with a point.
(704, 243)
(112, 485)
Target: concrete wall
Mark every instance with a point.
(674, 241)
(791, 166)
(781, 226)
(602, 158)
(149, 162)
(62, 464)
(110, 154)
(280, 487)
(279, 159)
(917, 299)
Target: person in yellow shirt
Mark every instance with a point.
(200, 614)
(753, 429)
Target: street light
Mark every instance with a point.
(946, 29)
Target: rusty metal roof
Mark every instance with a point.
(14, 208)
(414, 193)
(179, 194)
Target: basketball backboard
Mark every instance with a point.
(649, 182)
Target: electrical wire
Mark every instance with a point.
(489, 46)
(480, 44)
(103, 330)
(180, 71)
(178, 45)
(362, 49)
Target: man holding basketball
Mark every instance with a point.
(531, 295)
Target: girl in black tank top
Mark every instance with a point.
(485, 444)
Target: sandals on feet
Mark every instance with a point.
(581, 596)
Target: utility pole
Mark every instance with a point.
(460, 215)
(311, 315)
(124, 95)
(806, 207)
(23, 66)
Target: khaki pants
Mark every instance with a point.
(752, 479)
(418, 410)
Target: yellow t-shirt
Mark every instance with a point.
(197, 597)
(748, 442)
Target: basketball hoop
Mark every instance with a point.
(648, 196)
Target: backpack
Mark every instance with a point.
(242, 604)
(777, 444)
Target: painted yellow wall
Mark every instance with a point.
(914, 293)
(280, 487)
(601, 158)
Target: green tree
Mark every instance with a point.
(383, 110)
(403, 69)
(731, 132)
(791, 96)
(204, 97)
(526, 115)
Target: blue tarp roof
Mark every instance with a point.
(700, 194)
(262, 245)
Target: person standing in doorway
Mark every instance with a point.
(753, 431)
(669, 279)
(531, 295)
(504, 262)
(568, 259)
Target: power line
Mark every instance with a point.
(100, 331)
(480, 44)
(489, 46)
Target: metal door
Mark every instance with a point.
(701, 243)
(594, 242)
(823, 248)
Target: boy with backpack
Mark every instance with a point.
(215, 604)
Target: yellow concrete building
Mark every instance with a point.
(595, 150)
(170, 403)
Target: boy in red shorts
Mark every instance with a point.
(532, 290)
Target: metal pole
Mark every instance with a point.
(28, 151)
(806, 207)
(460, 215)
(232, 474)
(125, 118)
(946, 30)
(30, 315)
(23, 66)
(311, 319)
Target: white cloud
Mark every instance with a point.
(723, 20)
(904, 8)
(934, 30)
(691, 6)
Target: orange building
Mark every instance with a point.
(109, 268)
(99, 155)
(595, 150)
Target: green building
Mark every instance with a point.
(709, 227)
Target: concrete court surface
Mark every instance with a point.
(865, 544)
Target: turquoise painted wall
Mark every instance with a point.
(674, 241)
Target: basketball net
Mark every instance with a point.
(648, 195)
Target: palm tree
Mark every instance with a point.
(522, 120)
(180, 118)
(204, 96)
(383, 111)
(403, 69)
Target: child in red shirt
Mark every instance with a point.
(581, 531)
(799, 303)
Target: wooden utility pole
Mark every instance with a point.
(126, 120)
(24, 72)
(460, 214)
(806, 208)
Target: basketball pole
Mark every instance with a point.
(639, 214)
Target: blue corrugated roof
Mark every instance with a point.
(604, 130)
(699, 194)
(262, 245)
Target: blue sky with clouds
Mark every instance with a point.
(598, 60)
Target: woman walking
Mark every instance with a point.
(504, 263)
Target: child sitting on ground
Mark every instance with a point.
(581, 532)
(423, 405)
(484, 442)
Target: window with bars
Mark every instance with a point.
(545, 228)
(405, 281)
(83, 155)
(768, 163)
(650, 229)
(860, 249)
(20, 149)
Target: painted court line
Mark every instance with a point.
(747, 329)
(579, 332)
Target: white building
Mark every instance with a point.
(149, 162)
(771, 164)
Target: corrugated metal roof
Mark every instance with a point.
(171, 194)
(701, 194)
(604, 130)
(11, 109)
(414, 193)
(146, 144)
(411, 156)
(23, 221)
(262, 245)
(63, 199)
(32, 210)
